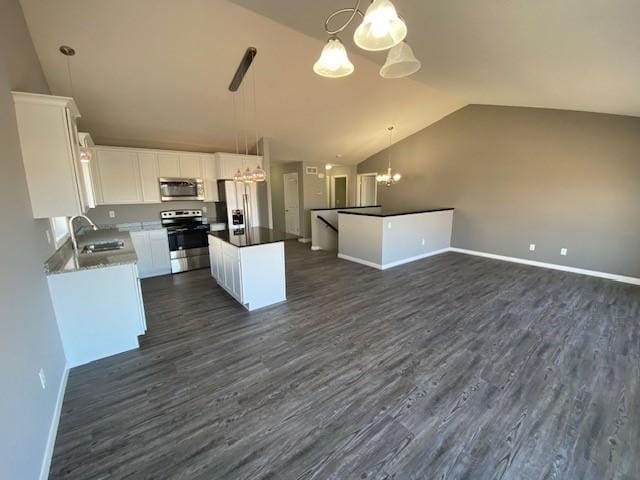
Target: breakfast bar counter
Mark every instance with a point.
(385, 239)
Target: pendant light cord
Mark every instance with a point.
(235, 122)
(70, 79)
(255, 107)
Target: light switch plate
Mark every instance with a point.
(112, 214)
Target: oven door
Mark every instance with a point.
(181, 189)
(186, 239)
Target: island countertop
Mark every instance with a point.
(394, 213)
(251, 237)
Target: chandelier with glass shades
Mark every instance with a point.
(381, 29)
(389, 178)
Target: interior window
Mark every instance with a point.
(59, 229)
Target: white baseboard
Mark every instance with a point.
(413, 259)
(315, 248)
(391, 264)
(53, 429)
(553, 266)
(304, 240)
(360, 261)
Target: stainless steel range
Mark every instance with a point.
(188, 243)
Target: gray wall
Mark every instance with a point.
(29, 339)
(314, 195)
(144, 212)
(522, 175)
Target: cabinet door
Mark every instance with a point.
(237, 279)
(142, 247)
(190, 166)
(210, 179)
(149, 177)
(119, 176)
(159, 251)
(169, 165)
(227, 281)
(212, 260)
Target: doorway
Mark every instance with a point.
(291, 203)
(367, 189)
(339, 191)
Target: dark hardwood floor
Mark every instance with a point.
(450, 367)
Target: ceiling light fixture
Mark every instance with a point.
(401, 62)
(381, 29)
(388, 178)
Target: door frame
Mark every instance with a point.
(333, 189)
(284, 200)
(359, 188)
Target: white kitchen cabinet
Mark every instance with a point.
(98, 311)
(148, 164)
(190, 165)
(210, 176)
(227, 164)
(168, 165)
(119, 176)
(152, 250)
(50, 153)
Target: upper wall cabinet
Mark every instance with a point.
(229, 163)
(180, 165)
(50, 153)
(130, 175)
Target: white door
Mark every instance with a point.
(367, 190)
(291, 204)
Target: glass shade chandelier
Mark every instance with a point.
(381, 29)
(389, 178)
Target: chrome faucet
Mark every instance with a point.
(72, 231)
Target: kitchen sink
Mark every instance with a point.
(99, 247)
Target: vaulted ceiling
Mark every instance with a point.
(155, 72)
(565, 54)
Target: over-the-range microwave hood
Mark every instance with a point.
(172, 189)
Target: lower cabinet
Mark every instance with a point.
(99, 311)
(253, 275)
(152, 250)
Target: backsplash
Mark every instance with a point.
(145, 212)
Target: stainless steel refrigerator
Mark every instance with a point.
(242, 205)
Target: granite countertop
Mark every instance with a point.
(250, 237)
(396, 213)
(65, 259)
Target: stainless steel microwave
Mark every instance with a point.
(172, 189)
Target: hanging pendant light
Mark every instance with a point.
(334, 61)
(389, 178)
(401, 62)
(67, 51)
(381, 27)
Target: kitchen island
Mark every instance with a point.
(389, 238)
(249, 265)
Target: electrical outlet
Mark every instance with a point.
(532, 247)
(423, 241)
(112, 214)
(43, 379)
(48, 236)
(563, 251)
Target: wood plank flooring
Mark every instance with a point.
(451, 367)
